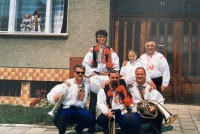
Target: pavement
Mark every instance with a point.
(188, 122)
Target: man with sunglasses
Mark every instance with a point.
(73, 93)
(98, 61)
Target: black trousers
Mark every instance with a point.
(92, 105)
(103, 121)
(73, 115)
(158, 83)
(137, 121)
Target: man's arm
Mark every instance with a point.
(115, 61)
(54, 94)
(87, 63)
(101, 102)
(165, 73)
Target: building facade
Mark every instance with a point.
(28, 58)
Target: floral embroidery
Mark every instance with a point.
(106, 52)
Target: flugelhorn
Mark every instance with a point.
(63, 94)
(111, 125)
(143, 107)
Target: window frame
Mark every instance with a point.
(11, 22)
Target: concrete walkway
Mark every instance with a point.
(188, 122)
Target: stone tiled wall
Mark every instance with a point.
(35, 74)
(29, 74)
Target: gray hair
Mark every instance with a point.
(150, 41)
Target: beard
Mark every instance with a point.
(114, 84)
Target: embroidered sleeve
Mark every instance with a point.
(115, 61)
(87, 63)
(101, 101)
(165, 71)
(55, 90)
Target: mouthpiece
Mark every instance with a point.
(51, 113)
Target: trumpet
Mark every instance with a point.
(63, 94)
(111, 125)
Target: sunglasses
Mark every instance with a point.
(77, 72)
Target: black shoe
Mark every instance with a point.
(79, 130)
(105, 132)
(105, 129)
(91, 130)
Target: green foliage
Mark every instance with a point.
(17, 114)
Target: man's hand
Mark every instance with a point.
(105, 73)
(152, 109)
(110, 115)
(124, 63)
(163, 89)
(56, 97)
(105, 83)
(152, 85)
(95, 74)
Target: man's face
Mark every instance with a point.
(79, 73)
(150, 48)
(101, 39)
(140, 76)
(114, 79)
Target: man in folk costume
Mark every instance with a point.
(99, 61)
(113, 100)
(141, 91)
(74, 94)
(156, 66)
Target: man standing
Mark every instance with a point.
(99, 61)
(112, 101)
(140, 92)
(73, 95)
(156, 66)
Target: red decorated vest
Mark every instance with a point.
(106, 52)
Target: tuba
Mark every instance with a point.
(63, 94)
(111, 125)
(143, 110)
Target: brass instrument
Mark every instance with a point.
(111, 125)
(144, 106)
(63, 94)
(143, 109)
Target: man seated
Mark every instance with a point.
(112, 102)
(140, 92)
(73, 95)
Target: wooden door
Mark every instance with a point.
(177, 39)
(189, 51)
(133, 33)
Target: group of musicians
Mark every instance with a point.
(115, 96)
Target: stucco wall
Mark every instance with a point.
(85, 17)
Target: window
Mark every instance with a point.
(10, 88)
(33, 17)
(41, 86)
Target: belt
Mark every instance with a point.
(73, 107)
(116, 110)
(157, 78)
